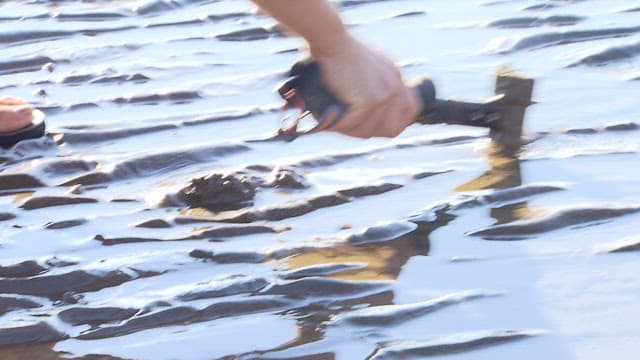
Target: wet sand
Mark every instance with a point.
(152, 222)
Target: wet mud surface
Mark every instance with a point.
(158, 213)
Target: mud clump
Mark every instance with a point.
(286, 178)
(218, 192)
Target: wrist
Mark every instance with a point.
(332, 42)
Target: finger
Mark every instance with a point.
(9, 100)
(398, 117)
(376, 119)
(352, 119)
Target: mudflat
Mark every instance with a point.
(150, 224)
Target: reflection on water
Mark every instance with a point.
(504, 173)
(385, 260)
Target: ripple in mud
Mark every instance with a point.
(5, 216)
(79, 137)
(633, 247)
(447, 345)
(388, 315)
(287, 211)
(40, 332)
(611, 55)
(23, 65)
(252, 34)
(154, 224)
(32, 35)
(350, 3)
(77, 79)
(65, 224)
(320, 270)
(369, 190)
(508, 195)
(630, 126)
(383, 233)
(56, 286)
(95, 316)
(152, 164)
(89, 16)
(40, 202)
(538, 41)
(526, 22)
(8, 304)
(316, 287)
(294, 209)
(212, 235)
(174, 96)
(228, 257)
(185, 315)
(19, 181)
(66, 167)
(26, 268)
(243, 286)
(558, 220)
(540, 7)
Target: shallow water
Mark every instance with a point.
(426, 245)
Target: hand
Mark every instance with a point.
(379, 103)
(15, 114)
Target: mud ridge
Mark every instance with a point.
(317, 287)
(210, 235)
(82, 137)
(611, 55)
(508, 195)
(350, 3)
(558, 220)
(65, 224)
(382, 233)
(8, 304)
(152, 164)
(633, 247)
(320, 270)
(562, 38)
(32, 35)
(174, 97)
(253, 34)
(184, 315)
(389, 315)
(25, 268)
(40, 332)
(245, 286)
(23, 65)
(446, 345)
(89, 16)
(527, 22)
(40, 202)
(229, 257)
(56, 286)
(95, 316)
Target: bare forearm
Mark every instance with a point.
(315, 20)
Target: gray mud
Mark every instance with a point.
(160, 212)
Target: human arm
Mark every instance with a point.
(366, 80)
